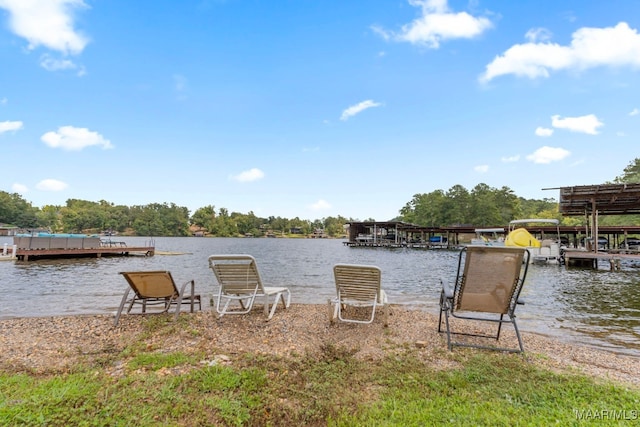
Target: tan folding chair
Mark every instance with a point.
(487, 289)
(156, 290)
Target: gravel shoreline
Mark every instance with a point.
(57, 344)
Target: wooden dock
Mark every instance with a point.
(581, 258)
(27, 254)
(394, 245)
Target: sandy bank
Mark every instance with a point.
(54, 344)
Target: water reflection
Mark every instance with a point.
(593, 307)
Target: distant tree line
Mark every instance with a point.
(482, 206)
(155, 219)
(485, 206)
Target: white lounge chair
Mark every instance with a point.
(357, 286)
(240, 282)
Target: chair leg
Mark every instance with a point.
(332, 311)
(442, 302)
(499, 327)
(515, 326)
(273, 306)
(178, 306)
(286, 303)
(122, 303)
(385, 314)
(224, 309)
(133, 300)
(266, 306)
(446, 320)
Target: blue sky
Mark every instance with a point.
(311, 109)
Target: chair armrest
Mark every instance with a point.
(520, 301)
(446, 290)
(184, 286)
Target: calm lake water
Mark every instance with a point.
(595, 307)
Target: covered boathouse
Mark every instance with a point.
(589, 201)
(593, 201)
(396, 234)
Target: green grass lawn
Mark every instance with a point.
(143, 387)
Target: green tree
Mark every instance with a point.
(80, 216)
(49, 217)
(158, 219)
(119, 218)
(224, 225)
(17, 211)
(334, 226)
(425, 209)
(204, 217)
(508, 205)
(455, 207)
(147, 222)
(247, 223)
(484, 209)
(278, 225)
(631, 173)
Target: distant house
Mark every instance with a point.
(295, 230)
(197, 231)
(319, 233)
(8, 230)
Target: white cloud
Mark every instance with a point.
(19, 188)
(46, 23)
(51, 185)
(250, 175)
(588, 124)
(53, 64)
(538, 34)
(546, 155)
(10, 126)
(544, 132)
(320, 205)
(358, 108)
(73, 138)
(510, 159)
(3, 101)
(621, 134)
(634, 112)
(437, 23)
(481, 168)
(590, 47)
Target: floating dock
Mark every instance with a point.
(44, 245)
(27, 254)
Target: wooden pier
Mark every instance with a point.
(393, 245)
(27, 254)
(581, 258)
(47, 245)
